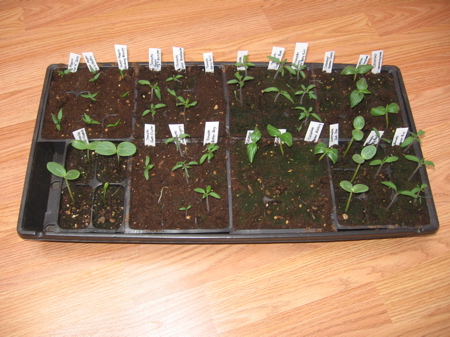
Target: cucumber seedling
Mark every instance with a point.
(206, 193)
(124, 149)
(330, 152)
(357, 95)
(357, 134)
(367, 153)
(349, 187)
(59, 171)
(391, 108)
(252, 147)
(361, 69)
(83, 145)
(285, 137)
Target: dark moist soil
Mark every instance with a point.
(333, 99)
(370, 208)
(156, 203)
(195, 85)
(65, 93)
(280, 192)
(108, 213)
(78, 215)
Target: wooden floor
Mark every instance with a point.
(368, 288)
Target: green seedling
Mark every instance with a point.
(147, 167)
(357, 95)
(105, 189)
(367, 153)
(185, 167)
(82, 145)
(154, 89)
(283, 137)
(88, 120)
(125, 94)
(177, 141)
(305, 114)
(279, 92)
(57, 119)
(420, 163)
(152, 109)
(252, 147)
(381, 162)
(357, 134)
(173, 93)
(92, 97)
(361, 69)
(245, 64)
(306, 90)
(59, 171)
(207, 192)
(281, 66)
(95, 77)
(414, 137)
(185, 209)
(122, 74)
(124, 149)
(63, 73)
(330, 152)
(175, 78)
(113, 125)
(297, 71)
(391, 108)
(240, 81)
(378, 134)
(417, 191)
(210, 149)
(414, 193)
(349, 187)
(186, 104)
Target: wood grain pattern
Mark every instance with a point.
(387, 287)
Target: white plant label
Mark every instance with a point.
(328, 62)
(300, 54)
(176, 130)
(373, 139)
(334, 135)
(154, 59)
(399, 136)
(248, 138)
(90, 61)
(277, 139)
(363, 60)
(178, 58)
(209, 62)
(149, 135)
(377, 61)
(240, 58)
(277, 52)
(211, 133)
(80, 134)
(74, 61)
(313, 133)
(122, 56)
